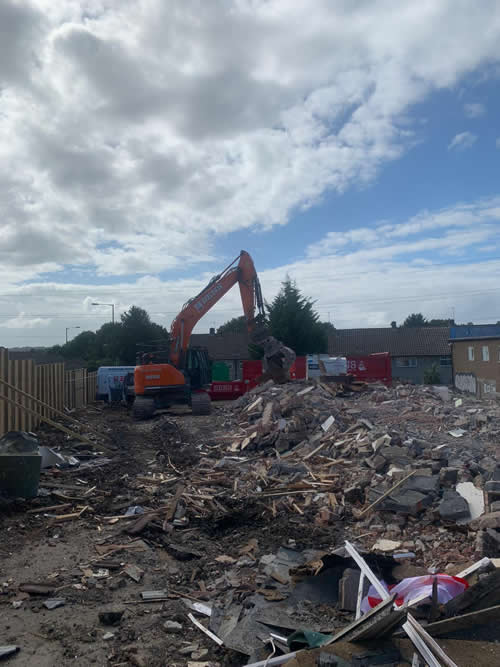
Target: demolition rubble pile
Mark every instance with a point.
(406, 473)
(266, 532)
(421, 458)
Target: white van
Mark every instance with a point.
(111, 378)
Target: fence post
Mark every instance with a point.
(31, 389)
(4, 374)
(60, 382)
(23, 416)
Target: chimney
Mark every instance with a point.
(212, 331)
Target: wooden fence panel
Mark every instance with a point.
(60, 386)
(4, 374)
(68, 390)
(49, 383)
(14, 380)
(91, 387)
(80, 387)
(30, 376)
(23, 416)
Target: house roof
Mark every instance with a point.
(401, 342)
(474, 332)
(222, 346)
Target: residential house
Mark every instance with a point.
(413, 350)
(476, 358)
(230, 349)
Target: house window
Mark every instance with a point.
(470, 351)
(486, 353)
(406, 362)
(445, 361)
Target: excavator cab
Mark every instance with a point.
(198, 367)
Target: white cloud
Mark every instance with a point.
(133, 133)
(474, 109)
(434, 262)
(472, 218)
(462, 141)
(23, 321)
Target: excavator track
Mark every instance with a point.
(143, 408)
(201, 403)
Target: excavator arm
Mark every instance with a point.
(160, 384)
(241, 271)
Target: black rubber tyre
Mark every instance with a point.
(143, 408)
(201, 403)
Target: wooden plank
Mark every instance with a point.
(433, 645)
(4, 374)
(56, 387)
(52, 388)
(464, 622)
(375, 623)
(28, 420)
(31, 389)
(484, 594)
(421, 646)
(10, 407)
(43, 388)
(81, 388)
(359, 597)
(66, 392)
(60, 386)
(23, 415)
(93, 387)
(76, 377)
(38, 402)
(71, 387)
(387, 493)
(46, 388)
(366, 570)
(17, 383)
(85, 387)
(47, 420)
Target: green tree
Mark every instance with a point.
(441, 323)
(293, 320)
(115, 343)
(415, 320)
(235, 325)
(327, 327)
(136, 330)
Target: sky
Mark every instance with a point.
(352, 145)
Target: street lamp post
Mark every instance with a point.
(94, 303)
(68, 328)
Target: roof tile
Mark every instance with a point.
(223, 346)
(400, 342)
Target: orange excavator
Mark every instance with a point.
(184, 375)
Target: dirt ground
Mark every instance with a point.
(35, 548)
(207, 528)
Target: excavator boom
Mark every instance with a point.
(184, 378)
(241, 271)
